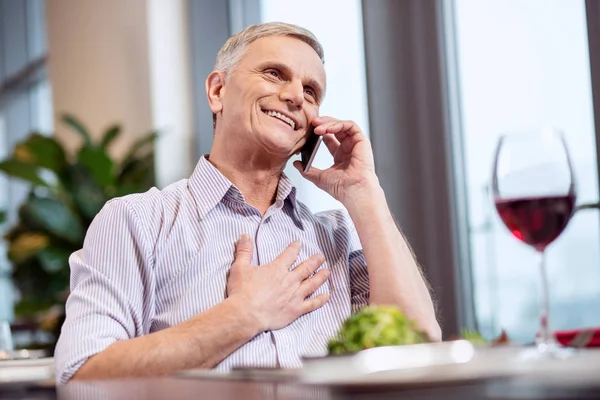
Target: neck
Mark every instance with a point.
(255, 175)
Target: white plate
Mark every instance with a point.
(26, 370)
(22, 354)
(446, 362)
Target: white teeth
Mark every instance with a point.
(281, 117)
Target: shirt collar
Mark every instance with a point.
(209, 186)
(286, 191)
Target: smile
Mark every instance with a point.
(281, 117)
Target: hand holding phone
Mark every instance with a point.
(309, 150)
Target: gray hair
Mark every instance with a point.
(234, 48)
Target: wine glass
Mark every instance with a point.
(534, 192)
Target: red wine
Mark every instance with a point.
(536, 221)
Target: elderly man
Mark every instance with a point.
(228, 268)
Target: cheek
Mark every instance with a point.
(234, 107)
(312, 112)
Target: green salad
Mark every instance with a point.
(375, 326)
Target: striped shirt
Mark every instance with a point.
(153, 260)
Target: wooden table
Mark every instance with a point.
(571, 378)
(181, 388)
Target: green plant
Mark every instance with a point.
(375, 326)
(67, 191)
(473, 337)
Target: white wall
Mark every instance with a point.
(123, 61)
(170, 81)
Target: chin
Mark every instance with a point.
(280, 148)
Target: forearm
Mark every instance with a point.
(394, 276)
(200, 342)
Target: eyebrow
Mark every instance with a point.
(284, 68)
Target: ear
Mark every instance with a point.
(215, 88)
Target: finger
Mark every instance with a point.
(323, 120)
(331, 142)
(341, 129)
(322, 129)
(243, 251)
(312, 304)
(308, 267)
(289, 255)
(349, 128)
(313, 173)
(311, 285)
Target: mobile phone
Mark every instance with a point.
(309, 150)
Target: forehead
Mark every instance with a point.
(288, 50)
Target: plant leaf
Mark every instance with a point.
(27, 245)
(42, 151)
(74, 123)
(473, 337)
(99, 165)
(124, 190)
(138, 146)
(54, 259)
(138, 172)
(2, 216)
(88, 196)
(109, 135)
(24, 171)
(54, 217)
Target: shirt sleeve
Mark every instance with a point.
(359, 274)
(348, 243)
(112, 288)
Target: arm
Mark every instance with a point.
(394, 276)
(200, 342)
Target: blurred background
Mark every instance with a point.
(434, 83)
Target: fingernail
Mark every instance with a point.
(244, 239)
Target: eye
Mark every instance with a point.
(274, 73)
(309, 92)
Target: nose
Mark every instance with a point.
(293, 94)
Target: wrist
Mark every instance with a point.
(364, 195)
(247, 315)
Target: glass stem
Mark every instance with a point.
(545, 338)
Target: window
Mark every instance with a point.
(345, 67)
(25, 105)
(522, 64)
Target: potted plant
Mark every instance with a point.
(67, 191)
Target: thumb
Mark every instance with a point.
(313, 174)
(243, 250)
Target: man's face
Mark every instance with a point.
(270, 98)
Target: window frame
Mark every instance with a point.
(16, 87)
(211, 24)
